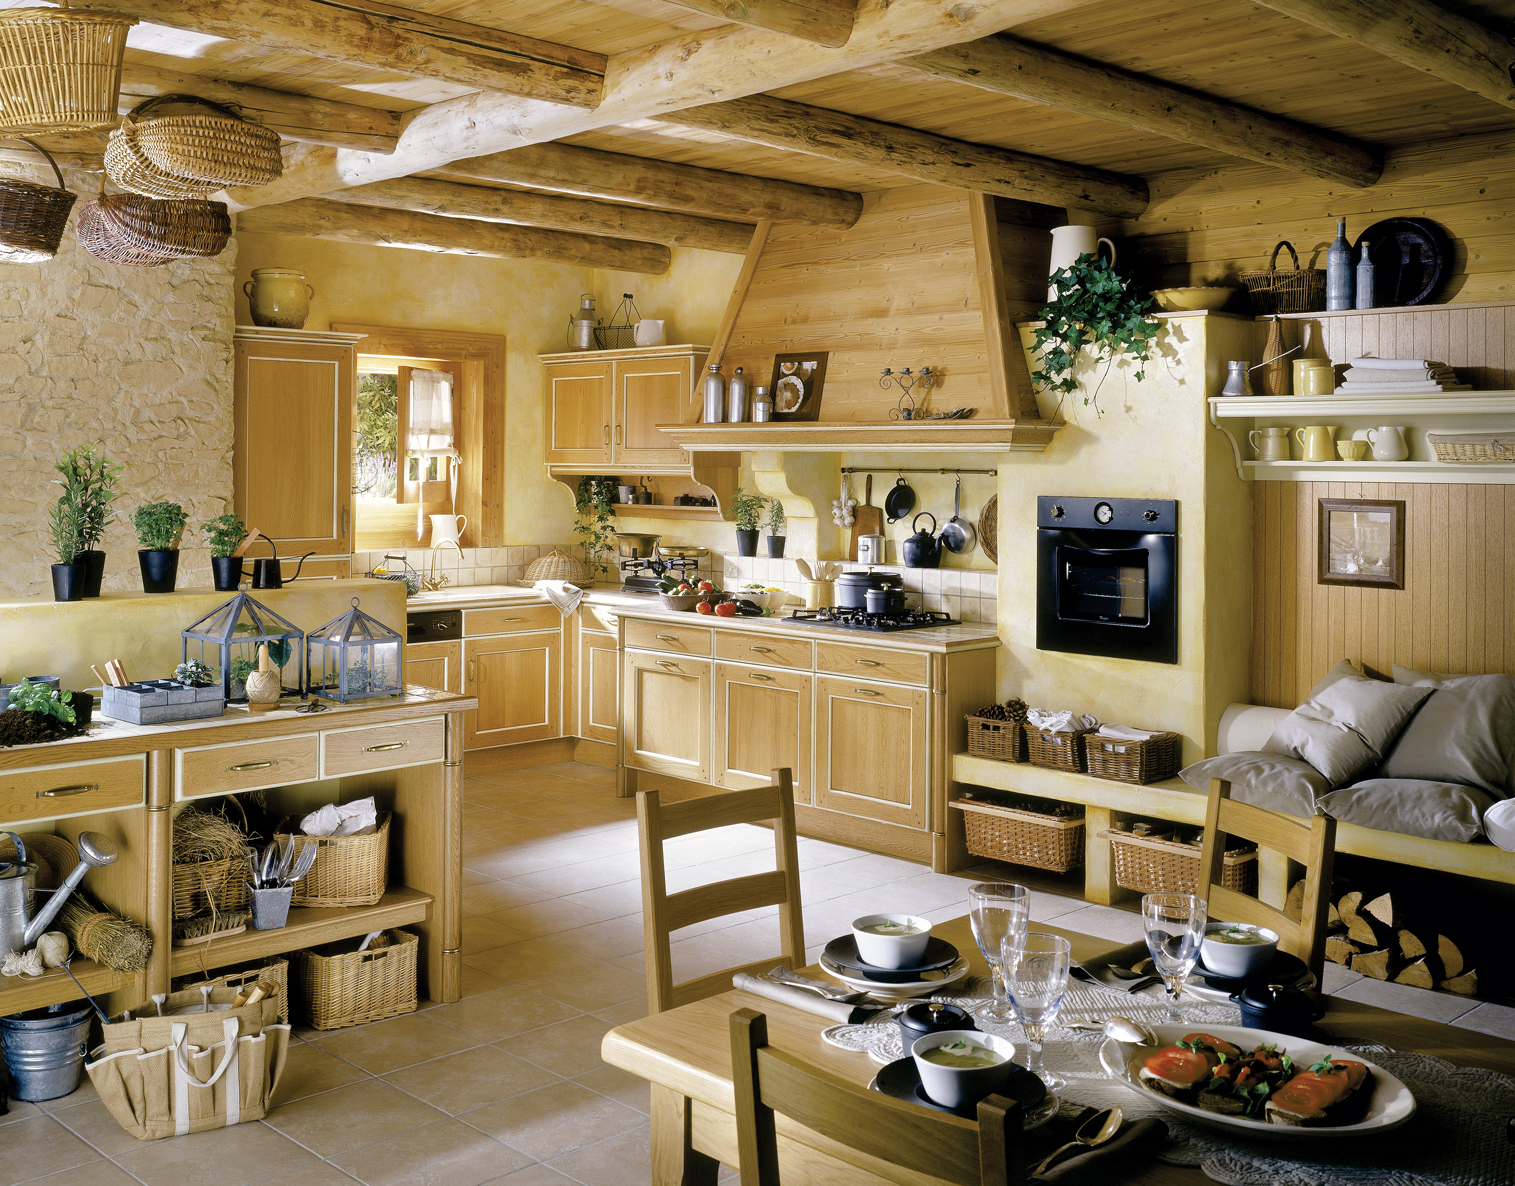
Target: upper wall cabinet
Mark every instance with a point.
(603, 407)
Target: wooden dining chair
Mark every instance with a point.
(938, 1145)
(663, 912)
(1311, 842)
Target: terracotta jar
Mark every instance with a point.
(278, 298)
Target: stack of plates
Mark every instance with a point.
(941, 965)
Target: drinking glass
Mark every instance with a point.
(1175, 924)
(1036, 977)
(998, 911)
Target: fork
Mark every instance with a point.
(783, 975)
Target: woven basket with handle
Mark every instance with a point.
(189, 156)
(348, 870)
(1301, 291)
(349, 988)
(146, 233)
(32, 216)
(1473, 446)
(60, 71)
(558, 565)
(1022, 837)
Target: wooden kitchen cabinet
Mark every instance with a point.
(760, 721)
(517, 679)
(599, 688)
(665, 717)
(603, 410)
(579, 412)
(435, 665)
(649, 392)
(871, 756)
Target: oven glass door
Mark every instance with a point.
(1097, 585)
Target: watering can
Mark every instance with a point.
(266, 573)
(19, 927)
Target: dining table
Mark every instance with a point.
(685, 1056)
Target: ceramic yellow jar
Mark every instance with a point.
(278, 298)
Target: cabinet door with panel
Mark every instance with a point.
(871, 750)
(518, 681)
(578, 412)
(649, 392)
(435, 665)
(599, 686)
(665, 717)
(760, 721)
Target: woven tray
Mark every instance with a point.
(1056, 751)
(337, 991)
(245, 976)
(1142, 762)
(222, 884)
(1022, 837)
(1168, 867)
(1472, 446)
(349, 870)
(1002, 740)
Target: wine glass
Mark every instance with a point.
(1175, 924)
(1036, 977)
(998, 911)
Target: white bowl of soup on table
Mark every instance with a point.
(1237, 949)
(960, 1067)
(891, 940)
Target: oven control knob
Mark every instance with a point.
(1057, 512)
(1150, 516)
(1103, 513)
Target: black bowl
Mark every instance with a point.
(842, 951)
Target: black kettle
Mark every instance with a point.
(923, 549)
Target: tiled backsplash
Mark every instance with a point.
(968, 596)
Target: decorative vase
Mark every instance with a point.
(160, 569)
(746, 542)
(94, 570)
(68, 581)
(226, 572)
(776, 545)
(278, 299)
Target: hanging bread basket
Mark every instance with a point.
(190, 155)
(147, 233)
(557, 565)
(32, 216)
(60, 70)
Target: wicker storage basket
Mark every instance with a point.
(349, 870)
(1057, 751)
(32, 216)
(990, 738)
(60, 71)
(1301, 291)
(245, 976)
(1151, 760)
(221, 885)
(1152, 866)
(558, 565)
(1022, 837)
(358, 986)
(1473, 446)
(189, 156)
(146, 233)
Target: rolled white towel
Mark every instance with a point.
(1066, 721)
(1499, 824)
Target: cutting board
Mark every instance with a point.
(867, 519)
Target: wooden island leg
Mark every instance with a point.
(675, 1161)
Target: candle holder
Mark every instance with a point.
(907, 382)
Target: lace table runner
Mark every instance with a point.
(1456, 1138)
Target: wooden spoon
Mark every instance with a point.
(804, 567)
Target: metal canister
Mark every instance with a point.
(762, 406)
(581, 325)
(736, 398)
(715, 396)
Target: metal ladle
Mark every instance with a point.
(1096, 1130)
(95, 850)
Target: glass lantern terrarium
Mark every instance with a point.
(353, 657)
(227, 640)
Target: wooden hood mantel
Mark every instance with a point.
(896, 436)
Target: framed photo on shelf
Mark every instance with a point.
(796, 385)
(1362, 543)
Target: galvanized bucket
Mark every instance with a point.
(45, 1050)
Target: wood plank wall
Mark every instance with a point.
(1454, 614)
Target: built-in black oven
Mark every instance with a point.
(1107, 577)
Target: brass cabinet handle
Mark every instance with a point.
(607, 434)
(867, 691)
(668, 663)
(344, 522)
(504, 620)
(470, 670)
(667, 637)
(764, 678)
(618, 436)
(762, 650)
(868, 662)
(60, 792)
(378, 749)
(238, 769)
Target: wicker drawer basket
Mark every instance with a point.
(355, 987)
(1169, 867)
(1473, 446)
(990, 738)
(1151, 760)
(1057, 751)
(349, 870)
(1022, 837)
(245, 976)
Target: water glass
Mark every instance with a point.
(1036, 978)
(1175, 926)
(998, 911)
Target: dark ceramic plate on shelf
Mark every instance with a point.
(901, 1080)
(1287, 970)
(842, 951)
(1411, 258)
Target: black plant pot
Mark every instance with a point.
(94, 570)
(68, 581)
(83, 705)
(160, 570)
(776, 545)
(226, 572)
(746, 542)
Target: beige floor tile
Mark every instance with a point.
(510, 860)
(21, 1110)
(480, 933)
(479, 843)
(489, 896)
(592, 988)
(567, 1048)
(605, 940)
(312, 1069)
(386, 1046)
(621, 1086)
(623, 1160)
(503, 1013)
(93, 1122)
(556, 1120)
(618, 900)
(624, 1013)
(462, 1082)
(563, 880)
(530, 960)
(543, 808)
(475, 982)
(220, 1157)
(351, 1117)
(40, 1143)
(320, 1173)
(535, 1175)
(82, 1094)
(471, 877)
(1404, 998)
(502, 798)
(444, 1154)
(536, 919)
(1490, 1018)
(96, 1173)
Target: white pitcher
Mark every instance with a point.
(648, 333)
(1070, 242)
(445, 529)
(1388, 443)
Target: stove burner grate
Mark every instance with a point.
(857, 619)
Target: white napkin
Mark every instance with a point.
(1066, 721)
(1396, 364)
(342, 819)
(797, 997)
(1125, 733)
(563, 595)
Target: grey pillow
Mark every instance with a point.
(1269, 781)
(1435, 810)
(1462, 734)
(1348, 723)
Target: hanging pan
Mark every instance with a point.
(958, 535)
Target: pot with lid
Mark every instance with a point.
(852, 587)
(884, 601)
(923, 549)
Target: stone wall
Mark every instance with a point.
(138, 359)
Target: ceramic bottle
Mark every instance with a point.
(1364, 280)
(1339, 270)
(736, 398)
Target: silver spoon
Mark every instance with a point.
(1122, 1029)
(1096, 1130)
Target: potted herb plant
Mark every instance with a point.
(223, 534)
(90, 481)
(69, 571)
(159, 526)
(746, 513)
(594, 522)
(776, 523)
(1092, 311)
(38, 713)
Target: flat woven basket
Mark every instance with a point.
(337, 991)
(147, 233)
(558, 565)
(60, 71)
(1056, 751)
(1004, 741)
(1022, 837)
(1151, 760)
(1301, 291)
(246, 977)
(1152, 866)
(206, 884)
(349, 870)
(1472, 446)
(32, 216)
(189, 156)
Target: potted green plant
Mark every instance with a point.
(90, 481)
(158, 526)
(223, 534)
(69, 571)
(1092, 311)
(594, 522)
(746, 513)
(776, 524)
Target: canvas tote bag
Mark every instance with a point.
(168, 1076)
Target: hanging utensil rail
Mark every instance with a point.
(894, 469)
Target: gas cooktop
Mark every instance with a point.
(857, 619)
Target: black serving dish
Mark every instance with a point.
(842, 951)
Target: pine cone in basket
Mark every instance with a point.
(1015, 709)
(995, 712)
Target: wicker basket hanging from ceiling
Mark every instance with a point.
(190, 155)
(32, 216)
(60, 71)
(146, 233)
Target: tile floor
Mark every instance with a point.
(506, 1086)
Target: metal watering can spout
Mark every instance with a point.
(17, 885)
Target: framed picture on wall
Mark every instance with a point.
(1362, 543)
(796, 385)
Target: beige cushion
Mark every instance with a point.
(1462, 734)
(1435, 810)
(1269, 781)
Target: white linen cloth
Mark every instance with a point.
(563, 595)
(1499, 824)
(358, 818)
(1064, 721)
(1125, 733)
(1398, 364)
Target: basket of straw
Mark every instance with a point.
(210, 865)
(1302, 290)
(190, 155)
(60, 71)
(32, 216)
(100, 935)
(146, 233)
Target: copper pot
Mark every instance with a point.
(633, 545)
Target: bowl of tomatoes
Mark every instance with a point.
(687, 596)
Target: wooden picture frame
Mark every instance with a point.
(1361, 543)
(810, 368)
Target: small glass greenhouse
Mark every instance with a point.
(354, 656)
(227, 640)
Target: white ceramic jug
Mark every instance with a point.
(1070, 242)
(1388, 443)
(648, 333)
(445, 529)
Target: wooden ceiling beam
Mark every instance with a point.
(689, 189)
(1420, 35)
(825, 22)
(343, 223)
(386, 38)
(1008, 66)
(554, 211)
(798, 127)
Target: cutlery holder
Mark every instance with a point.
(270, 907)
(349, 870)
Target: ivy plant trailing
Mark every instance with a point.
(594, 522)
(1092, 311)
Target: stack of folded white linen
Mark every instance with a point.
(1126, 733)
(1065, 721)
(1398, 376)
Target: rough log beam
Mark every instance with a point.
(690, 189)
(315, 219)
(294, 117)
(550, 210)
(825, 22)
(797, 127)
(1420, 35)
(1027, 71)
(385, 38)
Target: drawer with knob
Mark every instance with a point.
(72, 788)
(383, 747)
(510, 619)
(738, 646)
(246, 765)
(660, 636)
(883, 663)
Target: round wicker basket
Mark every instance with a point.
(144, 232)
(60, 70)
(189, 156)
(558, 565)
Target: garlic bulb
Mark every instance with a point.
(53, 948)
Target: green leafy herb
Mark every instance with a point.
(1092, 310)
(747, 510)
(89, 483)
(594, 522)
(39, 698)
(224, 533)
(159, 525)
(192, 671)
